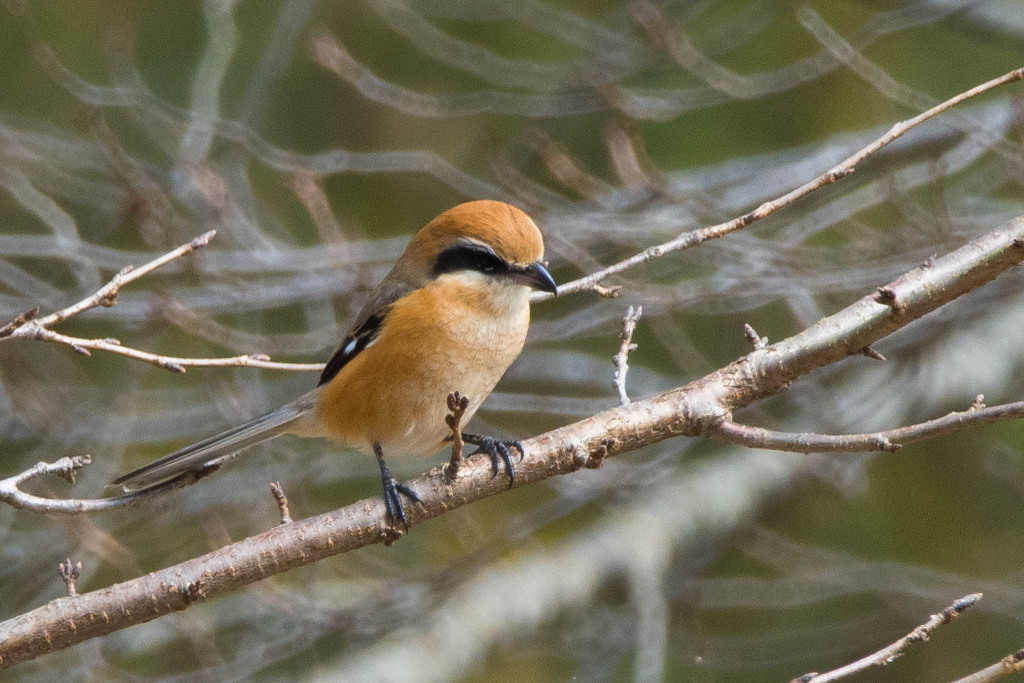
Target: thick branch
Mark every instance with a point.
(691, 410)
(693, 238)
(888, 654)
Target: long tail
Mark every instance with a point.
(216, 449)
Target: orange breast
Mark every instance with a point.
(445, 337)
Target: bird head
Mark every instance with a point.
(492, 242)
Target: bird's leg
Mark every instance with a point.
(392, 489)
(498, 452)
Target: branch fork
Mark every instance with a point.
(67, 468)
(27, 326)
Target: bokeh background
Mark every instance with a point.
(316, 136)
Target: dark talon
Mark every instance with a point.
(518, 445)
(402, 488)
(498, 451)
(392, 489)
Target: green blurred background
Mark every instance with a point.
(128, 128)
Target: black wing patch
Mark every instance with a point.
(357, 340)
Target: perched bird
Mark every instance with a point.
(451, 316)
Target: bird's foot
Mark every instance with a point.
(393, 492)
(498, 451)
(393, 500)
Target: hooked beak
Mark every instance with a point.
(535, 276)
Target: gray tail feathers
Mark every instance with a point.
(214, 450)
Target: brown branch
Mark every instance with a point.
(1012, 663)
(889, 654)
(693, 238)
(457, 406)
(607, 292)
(869, 352)
(306, 187)
(26, 326)
(626, 337)
(756, 342)
(890, 441)
(282, 502)
(563, 167)
(690, 410)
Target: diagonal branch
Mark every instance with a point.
(888, 654)
(27, 326)
(692, 238)
(107, 294)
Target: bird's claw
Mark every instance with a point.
(392, 492)
(498, 451)
(393, 500)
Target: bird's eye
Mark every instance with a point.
(469, 257)
(488, 263)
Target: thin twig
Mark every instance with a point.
(22, 318)
(692, 238)
(107, 294)
(26, 326)
(67, 468)
(457, 406)
(626, 337)
(172, 363)
(889, 654)
(871, 353)
(890, 441)
(1012, 663)
(607, 292)
(756, 342)
(282, 502)
(69, 573)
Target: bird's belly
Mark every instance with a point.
(399, 399)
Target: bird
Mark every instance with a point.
(450, 316)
